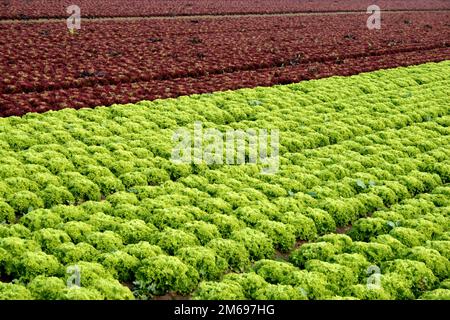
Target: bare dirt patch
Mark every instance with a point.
(210, 16)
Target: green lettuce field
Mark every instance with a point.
(358, 209)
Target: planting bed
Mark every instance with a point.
(95, 188)
(20, 9)
(46, 68)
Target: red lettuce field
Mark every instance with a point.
(21, 9)
(44, 67)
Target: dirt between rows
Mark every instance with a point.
(210, 16)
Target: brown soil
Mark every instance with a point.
(5, 278)
(129, 285)
(343, 230)
(172, 296)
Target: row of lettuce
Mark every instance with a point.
(95, 190)
(399, 253)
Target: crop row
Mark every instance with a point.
(132, 51)
(405, 249)
(95, 188)
(19, 104)
(125, 62)
(112, 8)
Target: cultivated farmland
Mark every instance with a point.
(128, 61)
(98, 201)
(97, 188)
(23, 10)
